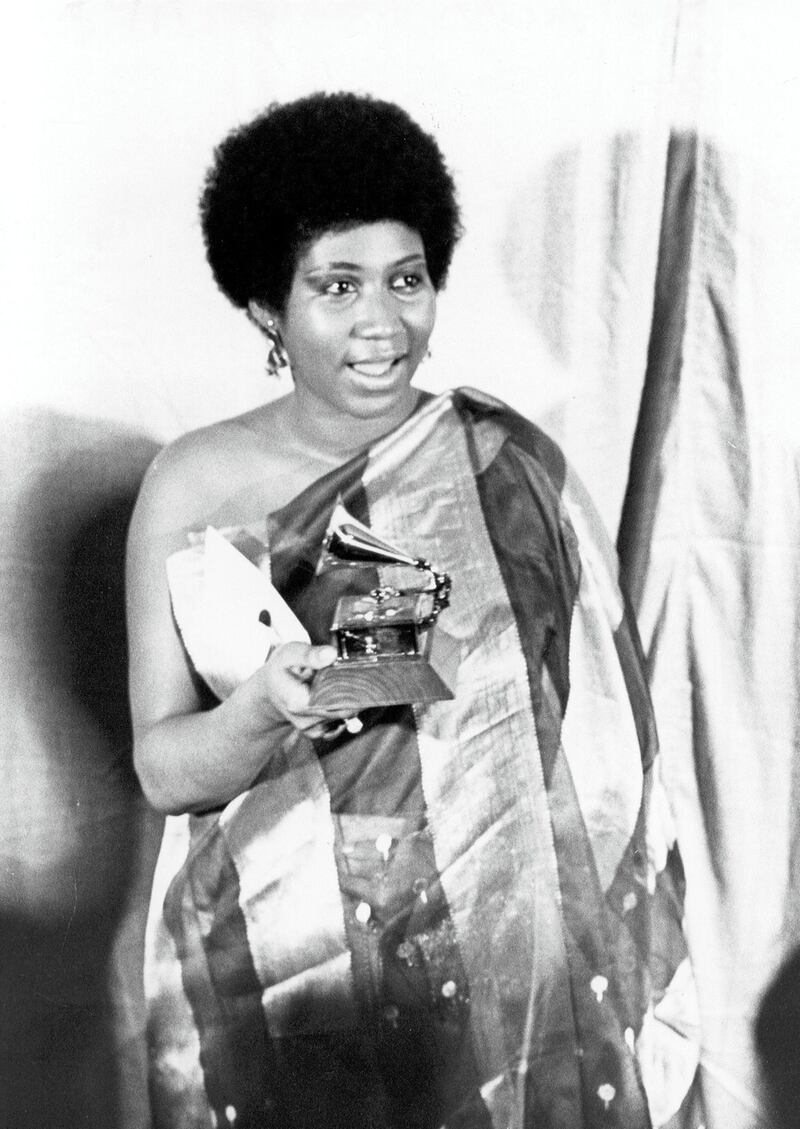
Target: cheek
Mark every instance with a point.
(313, 343)
(424, 322)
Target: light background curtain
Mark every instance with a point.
(629, 180)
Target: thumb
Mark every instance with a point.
(305, 658)
(321, 656)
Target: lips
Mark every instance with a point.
(374, 368)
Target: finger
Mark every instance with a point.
(327, 731)
(294, 654)
(294, 702)
(330, 728)
(304, 659)
(321, 656)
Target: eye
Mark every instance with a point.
(408, 282)
(339, 287)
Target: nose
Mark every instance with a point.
(377, 317)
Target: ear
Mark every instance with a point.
(264, 316)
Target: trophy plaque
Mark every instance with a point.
(391, 650)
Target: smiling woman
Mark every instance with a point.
(433, 915)
(356, 324)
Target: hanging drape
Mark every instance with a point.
(710, 540)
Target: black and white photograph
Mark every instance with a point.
(400, 563)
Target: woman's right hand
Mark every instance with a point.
(286, 680)
(196, 760)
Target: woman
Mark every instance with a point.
(440, 918)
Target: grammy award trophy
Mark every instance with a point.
(390, 648)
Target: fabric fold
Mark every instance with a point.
(534, 786)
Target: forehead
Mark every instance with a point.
(367, 245)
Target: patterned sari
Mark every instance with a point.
(468, 914)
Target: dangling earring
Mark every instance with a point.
(277, 358)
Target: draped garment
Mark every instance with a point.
(549, 892)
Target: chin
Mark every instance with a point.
(376, 398)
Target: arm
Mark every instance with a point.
(188, 758)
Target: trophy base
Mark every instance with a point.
(353, 685)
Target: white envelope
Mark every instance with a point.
(218, 597)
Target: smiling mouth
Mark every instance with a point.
(375, 368)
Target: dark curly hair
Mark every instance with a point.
(322, 163)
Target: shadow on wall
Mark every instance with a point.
(578, 256)
(572, 243)
(76, 842)
(777, 1036)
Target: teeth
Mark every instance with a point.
(373, 368)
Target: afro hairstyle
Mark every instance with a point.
(322, 163)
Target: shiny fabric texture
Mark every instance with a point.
(550, 868)
(711, 556)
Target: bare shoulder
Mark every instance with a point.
(191, 479)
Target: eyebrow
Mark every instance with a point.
(343, 264)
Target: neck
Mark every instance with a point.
(319, 430)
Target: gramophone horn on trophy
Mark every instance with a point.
(390, 648)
